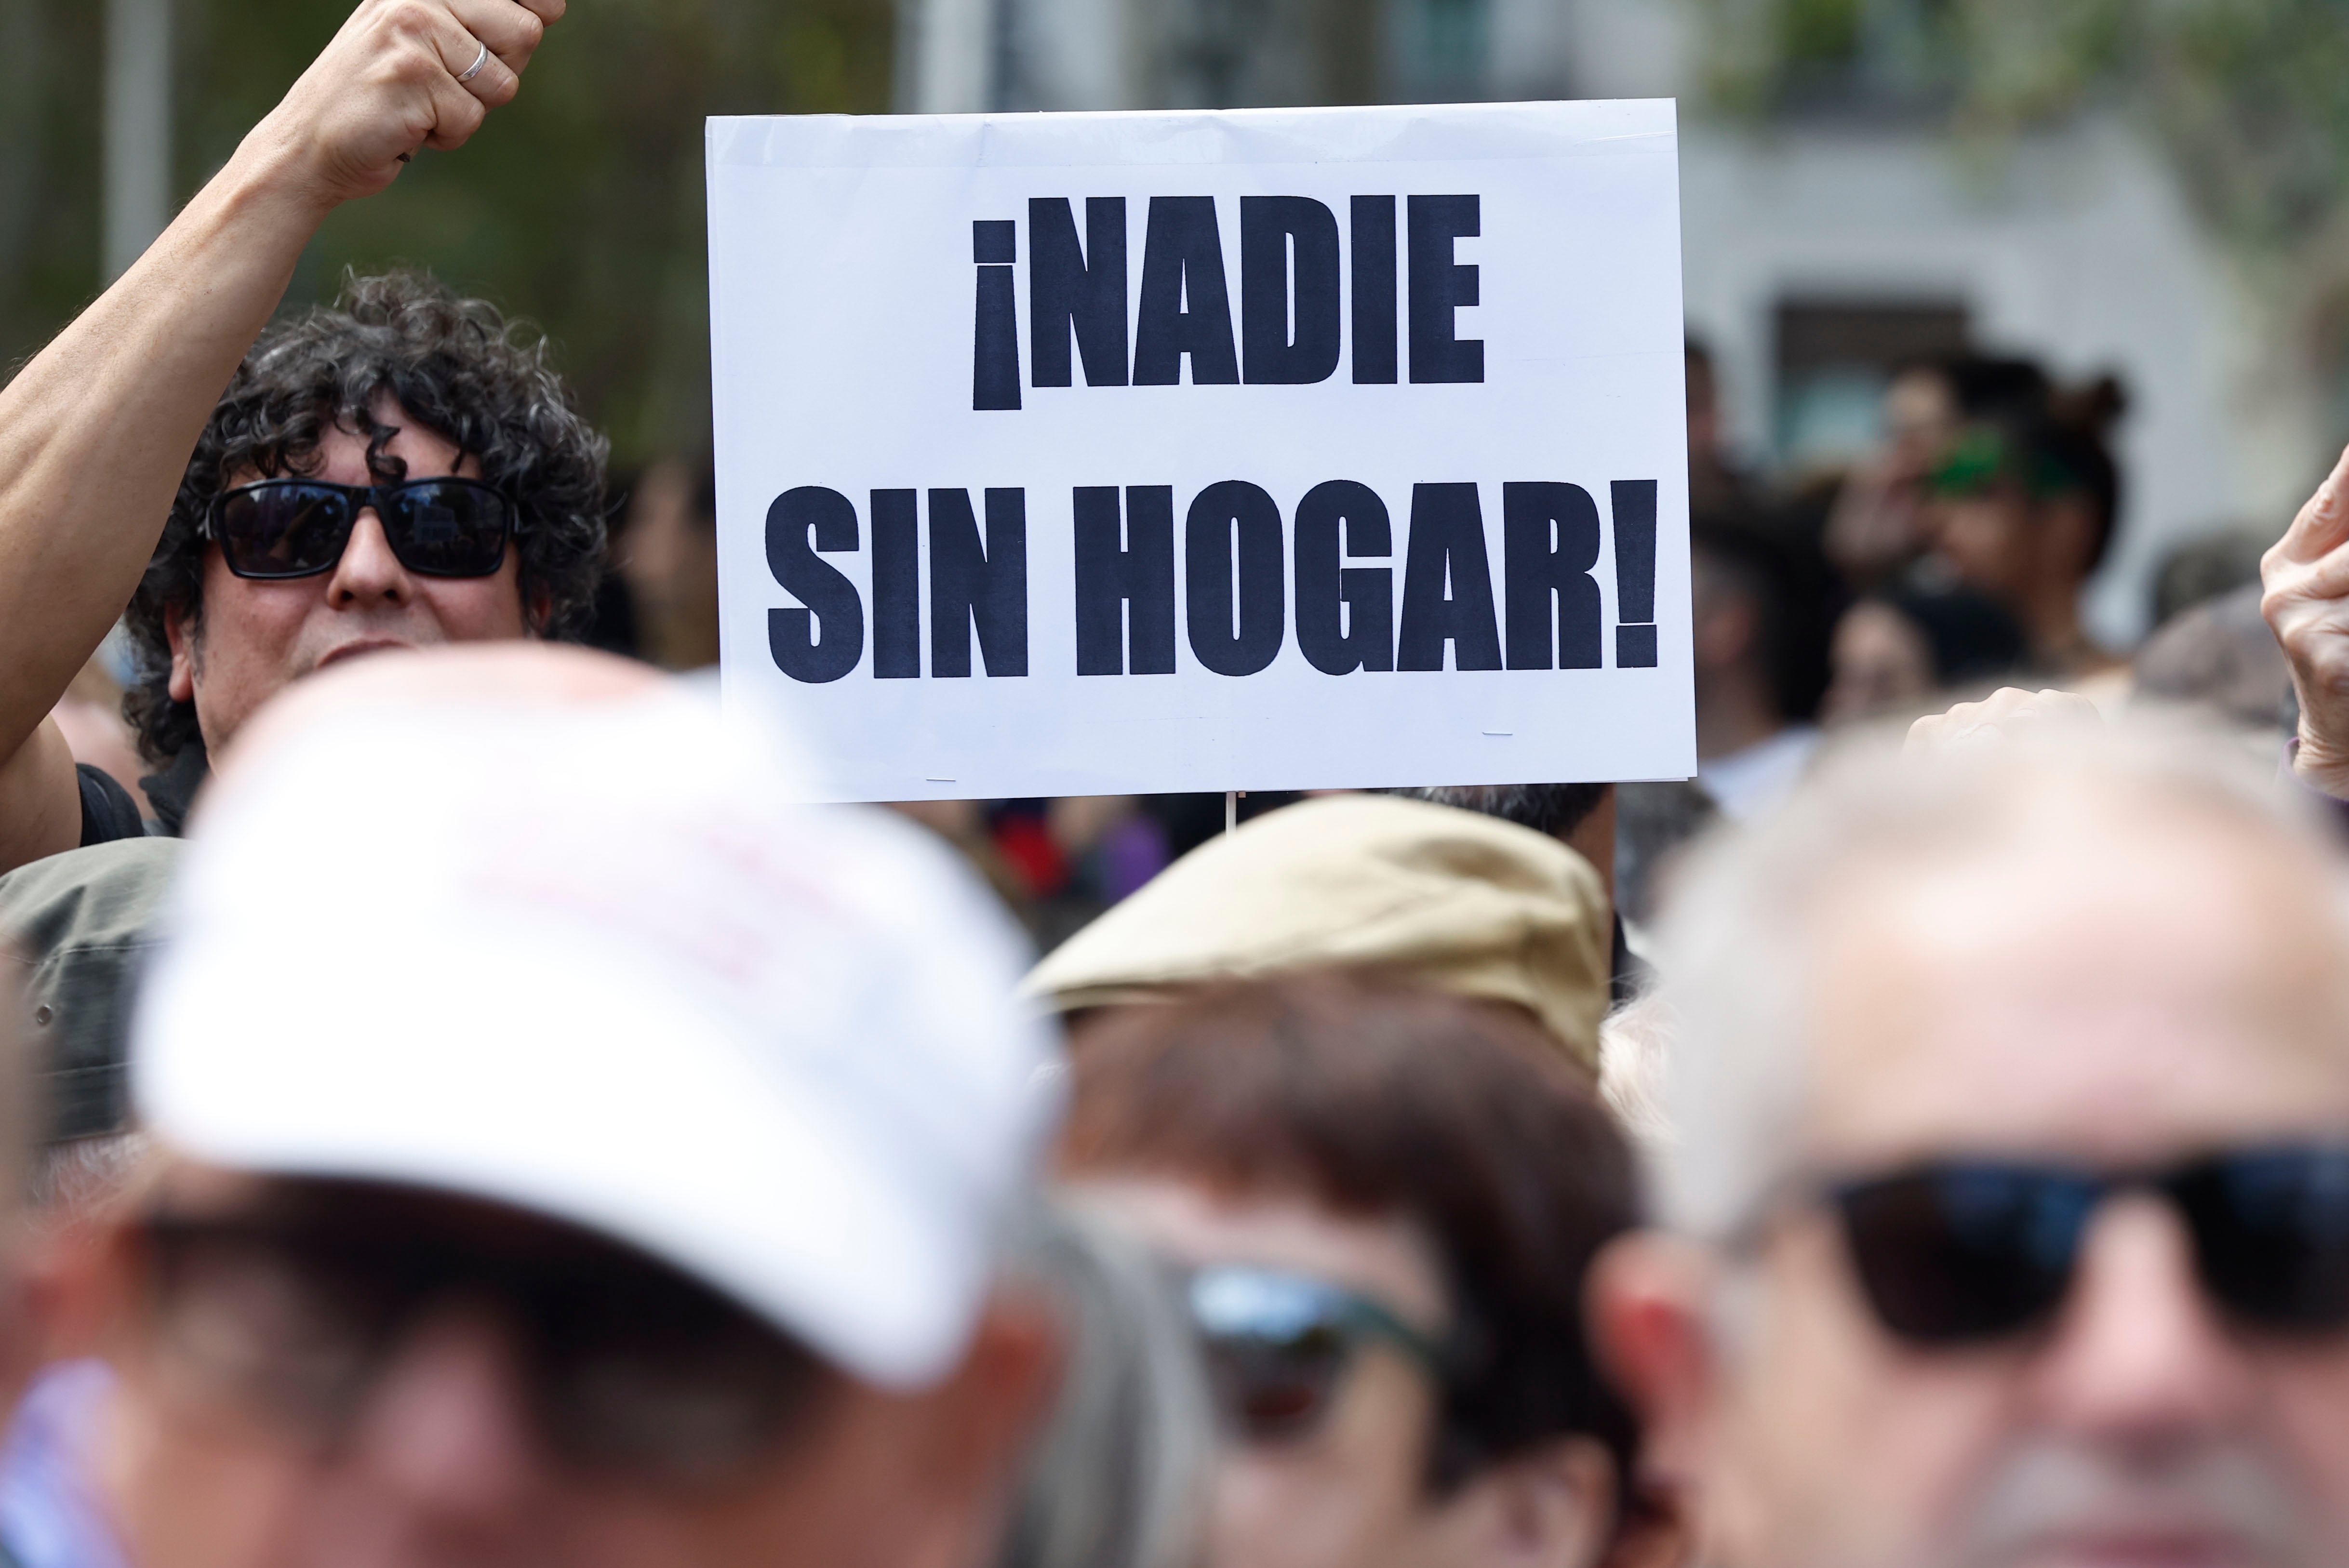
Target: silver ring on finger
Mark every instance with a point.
(469, 72)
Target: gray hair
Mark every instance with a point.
(1118, 1477)
(1635, 1049)
(81, 1176)
(1735, 940)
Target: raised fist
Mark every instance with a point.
(400, 74)
(2306, 603)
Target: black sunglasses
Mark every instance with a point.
(1278, 1345)
(627, 1365)
(1966, 1251)
(298, 527)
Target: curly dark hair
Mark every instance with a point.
(1557, 809)
(455, 367)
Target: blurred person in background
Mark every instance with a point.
(2219, 659)
(1057, 863)
(1902, 645)
(2010, 1088)
(1877, 526)
(1113, 844)
(2211, 651)
(1655, 822)
(2201, 570)
(1718, 485)
(1762, 619)
(654, 1215)
(403, 470)
(1070, 857)
(52, 1513)
(2024, 508)
(667, 556)
(1119, 1477)
(1384, 1199)
(1457, 901)
(1580, 816)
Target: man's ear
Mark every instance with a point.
(976, 1431)
(1008, 1381)
(1648, 1307)
(180, 631)
(538, 610)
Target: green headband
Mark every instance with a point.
(1981, 459)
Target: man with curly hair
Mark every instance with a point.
(401, 470)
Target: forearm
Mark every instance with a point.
(40, 799)
(96, 431)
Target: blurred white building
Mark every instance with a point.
(1818, 249)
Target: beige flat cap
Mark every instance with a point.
(1464, 902)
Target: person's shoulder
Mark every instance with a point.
(80, 923)
(109, 812)
(103, 881)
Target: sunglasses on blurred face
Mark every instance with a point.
(1279, 1346)
(276, 528)
(625, 1365)
(1964, 1252)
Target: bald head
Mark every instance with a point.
(2103, 974)
(2016, 946)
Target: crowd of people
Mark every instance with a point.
(1950, 562)
(454, 1112)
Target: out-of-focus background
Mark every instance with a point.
(2152, 193)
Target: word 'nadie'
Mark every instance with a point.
(1289, 327)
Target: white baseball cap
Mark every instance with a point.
(587, 960)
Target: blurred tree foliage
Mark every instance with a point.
(50, 210)
(2250, 96)
(2250, 99)
(579, 205)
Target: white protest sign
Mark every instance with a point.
(1092, 454)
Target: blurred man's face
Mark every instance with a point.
(1727, 622)
(1881, 663)
(2110, 990)
(1987, 542)
(1350, 1487)
(1920, 418)
(373, 1377)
